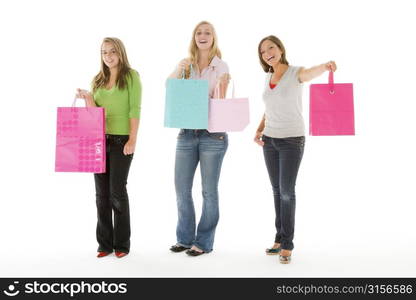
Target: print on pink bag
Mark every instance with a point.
(80, 140)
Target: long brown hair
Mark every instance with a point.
(103, 77)
(279, 44)
(193, 48)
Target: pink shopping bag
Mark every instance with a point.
(331, 108)
(80, 140)
(228, 114)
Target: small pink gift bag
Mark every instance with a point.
(331, 108)
(228, 114)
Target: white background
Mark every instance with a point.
(355, 195)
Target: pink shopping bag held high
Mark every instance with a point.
(80, 139)
(331, 108)
(228, 114)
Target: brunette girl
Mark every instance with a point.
(117, 88)
(281, 133)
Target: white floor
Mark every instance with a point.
(339, 260)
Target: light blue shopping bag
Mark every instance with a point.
(186, 104)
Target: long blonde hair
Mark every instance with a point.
(193, 48)
(103, 77)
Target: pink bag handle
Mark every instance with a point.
(331, 82)
(75, 100)
(217, 90)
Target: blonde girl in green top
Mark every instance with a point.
(117, 88)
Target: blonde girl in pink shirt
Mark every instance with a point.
(200, 147)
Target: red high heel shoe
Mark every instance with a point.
(120, 254)
(102, 254)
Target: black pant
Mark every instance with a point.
(111, 196)
(283, 157)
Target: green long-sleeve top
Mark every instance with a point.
(120, 105)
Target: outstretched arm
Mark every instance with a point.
(311, 73)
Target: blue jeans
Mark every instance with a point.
(208, 149)
(283, 157)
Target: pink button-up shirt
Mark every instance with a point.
(212, 73)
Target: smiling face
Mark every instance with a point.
(204, 37)
(270, 53)
(109, 55)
